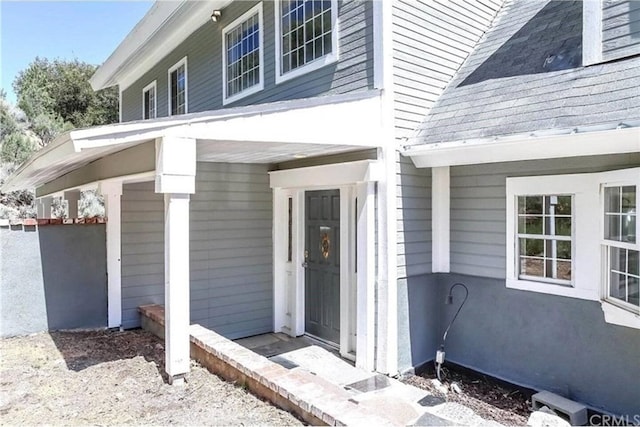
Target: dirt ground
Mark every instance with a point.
(489, 398)
(107, 378)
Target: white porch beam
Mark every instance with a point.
(112, 192)
(175, 177)
(366, 265)
(72, 198)
(440, 219)
(43, 207)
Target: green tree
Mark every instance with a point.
(57, 96)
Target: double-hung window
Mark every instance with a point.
(149, 101)
(577, 236)
(621, 249)
(243, 58)
(178, 88)
(307, 36)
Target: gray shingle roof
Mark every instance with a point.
(525, 75)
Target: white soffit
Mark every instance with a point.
(267, 133)
(598, 140)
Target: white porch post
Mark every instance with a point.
(72, 198)
(112, 192)
(175, 177)
(43, 207)
(440, 219)
(365, 323)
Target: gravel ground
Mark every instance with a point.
(489, 398)
(107, 378)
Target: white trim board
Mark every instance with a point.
(614, 141)
(327, 175)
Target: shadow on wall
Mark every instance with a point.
(74, 275)
(550, 41)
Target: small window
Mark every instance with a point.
(290, 229)
(242, 53)
(307, 36)
(178, 88)
(149, 103)
(622, 259)
(544, 238)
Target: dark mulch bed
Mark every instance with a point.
(490, 398)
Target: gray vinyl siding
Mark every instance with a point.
(430, 42)
(620, 29)
(230, 249)
(203, 49)
(478, 206)
(414, 219)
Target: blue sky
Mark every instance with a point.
(86, 30)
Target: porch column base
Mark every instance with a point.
(176, 379)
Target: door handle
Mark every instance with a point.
(305, 264)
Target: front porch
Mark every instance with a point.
(206, 214)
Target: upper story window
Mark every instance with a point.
(178, 88)
(307, 36)
(577, 236)
(149, 101)
(242, 53)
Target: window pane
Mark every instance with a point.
(628, 225)
(562, 227)
(563, 271)
(532, 247)
(530, 225)
(612, 229)
(532, 267)
(564, 250)
(634, 262)
(563, 207)
(612, 199)
(628, 201)
(618, 286)
(533, 204)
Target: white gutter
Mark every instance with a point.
(555, 143)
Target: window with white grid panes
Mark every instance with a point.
(544, 238)
(306, 31)
(243, 55)
(622, 259)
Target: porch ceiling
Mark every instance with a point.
(267, 133)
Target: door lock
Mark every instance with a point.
(305, 264)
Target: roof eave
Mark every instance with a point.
(531, 146)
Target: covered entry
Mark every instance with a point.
(169, 153)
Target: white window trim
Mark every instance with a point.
(153, 85)
(260, 86)
(585, 254)
(588, 243)
(183, 61)
(315, 64)
(617, 312)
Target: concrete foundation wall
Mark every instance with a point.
(535, 340)
(52, 277)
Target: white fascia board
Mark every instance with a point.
(161, 30)
(356, 123)
(58, 150)
(328, 175)
(614, 141)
